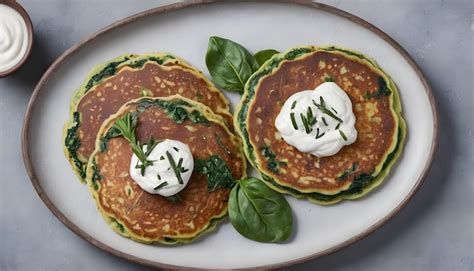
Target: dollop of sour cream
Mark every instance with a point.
(13, 37)
(319, 121)
(162, 177)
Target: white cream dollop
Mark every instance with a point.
(328, 134)
(162, 170)
(13, 37)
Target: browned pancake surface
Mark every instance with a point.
(107, 97)
(374, 122)
(152, 216)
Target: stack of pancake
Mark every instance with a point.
(168, 95)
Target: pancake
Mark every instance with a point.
(112, 84)
(356, 169)
(148, 218)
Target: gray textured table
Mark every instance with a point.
(435, 230)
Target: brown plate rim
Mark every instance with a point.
(178, 6)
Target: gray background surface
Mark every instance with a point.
(434, 232)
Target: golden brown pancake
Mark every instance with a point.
(148, 218)
(120, 80)
(354, 170)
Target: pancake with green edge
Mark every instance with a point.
(149, 218)
(357, 168)
(112, 84)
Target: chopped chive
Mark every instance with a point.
(331, 114)
(293, 105)
(319, 135)
(324, 121)
(142, 169)
(311, 119)
(293, 121)
(322, 108)
(159, 177)
(175, 169)
(162, 157)
(322, 104)
(150, 145)
(337, 126)
(334, 110)
(161, 185)
(176, 149)
(307, 128)
(343, 135)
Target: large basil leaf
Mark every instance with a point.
(229, 63)
(264, 55)
(259, 213)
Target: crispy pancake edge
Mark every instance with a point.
(300, 52)
(120, 228)
(78, 161)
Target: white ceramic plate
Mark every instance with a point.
(183, 29)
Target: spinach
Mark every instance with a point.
(229, 63)
(106, 71)
(73, 143)
(95, 175)
(259, 213)
(175, 109)
(383, 90)
(348, 172)
(217, 171)
(264, 55)
(272, 163)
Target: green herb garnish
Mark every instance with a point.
(332, 108)
(293, 105)
(322, 108)
(177, 171)
(304, 120)
(126, 127)
(337, 126)
(324, 121)
(343, 135)
(161, 185)
(293, 121)
(319, 135)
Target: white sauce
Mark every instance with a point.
(162, 167)
(336, 100)
(13, 38)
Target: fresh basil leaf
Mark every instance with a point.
(264, 55)
(229, 63)
(259, 213)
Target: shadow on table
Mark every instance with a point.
(424, 202)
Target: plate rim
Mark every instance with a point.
(189, 4)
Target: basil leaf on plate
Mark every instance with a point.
(229, 63)
(259, 213)
(264, 55)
